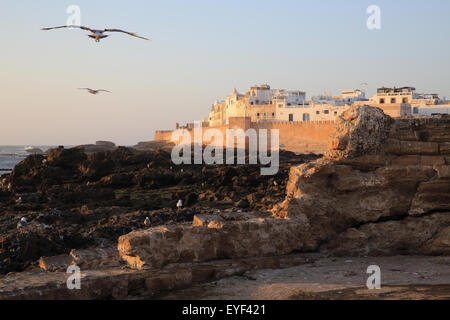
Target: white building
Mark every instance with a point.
(261, 103)
(311, 112)
(430, 110)
(394, 95)
(349, 96)
(260, 94)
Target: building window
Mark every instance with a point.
(291, 117)
(326, 111)
(273, 114)
(317, 112)
(393, 100)
(306, 117)
(335, 113)
(405, 100)
(381, 101)
(258, 115)
(415, 110)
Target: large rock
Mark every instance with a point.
(26, 173)
(428, 235)
(212, 238)
(377, 172)
(86, 259)
(65, 158)
(99, 146)
(360, 130)
(105, 144)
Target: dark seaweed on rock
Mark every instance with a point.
(72, 199)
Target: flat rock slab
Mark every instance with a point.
(213, 239)
(402, 277)
(127, 283)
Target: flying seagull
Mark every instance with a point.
(97, 35)
(92, 91)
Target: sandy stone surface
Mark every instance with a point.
(402, 277)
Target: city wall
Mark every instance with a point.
(298, 137)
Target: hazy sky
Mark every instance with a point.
(200, 51)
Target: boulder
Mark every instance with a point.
(108, 144)
(55, 263)
(428, 235)
(379, 178)
(212, 238)
(65, 158)
(360, 130)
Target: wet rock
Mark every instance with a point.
(98, 196)
(191, 199)
(243, 203)
(119, 180)
(65, 158)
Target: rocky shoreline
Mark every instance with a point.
(381, 189)
(76, 200)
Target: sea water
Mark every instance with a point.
(12, 155)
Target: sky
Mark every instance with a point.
(200, 51)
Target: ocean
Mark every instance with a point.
(12, 155)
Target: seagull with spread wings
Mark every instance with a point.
(92, 91)
(97, 35)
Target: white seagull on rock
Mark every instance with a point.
(22, 223)
(97, 35)
(92, 91)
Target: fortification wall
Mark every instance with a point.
(294, 136)
(314, 130)
(163, 135)
(301, 136)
